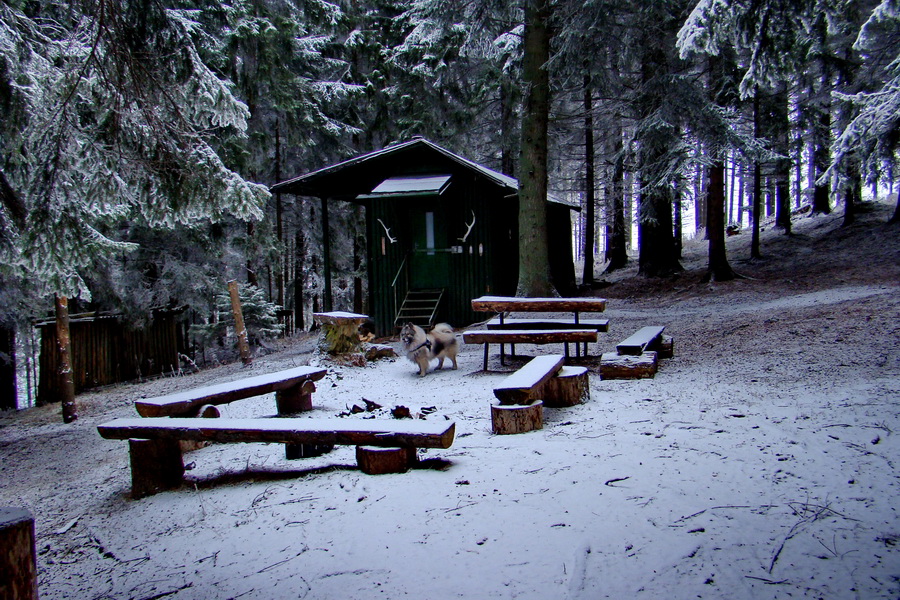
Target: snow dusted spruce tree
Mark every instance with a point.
(108, 116)
(873, 133)
(781, 39)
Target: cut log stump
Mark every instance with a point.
(517, 418)
(156, 465)
(616, 366)
(570, 387)
(18, 567)
(373, 460)
(666, 347)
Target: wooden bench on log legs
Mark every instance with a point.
(382, 446)
(526, 336)
(293, 394)
(636, 356)
(543, 381)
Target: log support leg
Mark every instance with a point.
(621, 366)
(666, 347)
(156, 465)
(570, 387)
(374, 460)
(296, 400)
(17, 556)
(517, 418)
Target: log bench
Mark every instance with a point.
(543, 381)
(636, 357)
(293, 393)
(526, 336)
(157, 463)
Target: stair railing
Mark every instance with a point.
(400, 286)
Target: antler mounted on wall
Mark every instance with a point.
(387, 232)
(469, 227)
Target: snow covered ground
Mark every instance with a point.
(761, 462)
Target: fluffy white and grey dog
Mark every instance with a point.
(421, 347)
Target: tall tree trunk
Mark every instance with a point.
(782, 129)
(617, 242)
(279, 223)
(9, 392)
(66, 381)
(507, 127)
(590, 200)
(852, 191)
(326, 257)
(757, 183)
(718, 268)
(534, 261)
(677, 232)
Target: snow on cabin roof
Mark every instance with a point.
(496, 177)
(410, 185)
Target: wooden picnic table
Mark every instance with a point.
(508, 304)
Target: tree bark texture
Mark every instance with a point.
(64, 372)
(534, 260)
(718, 268)
(18, 564)
(9, 392)
(240, 329)
(517, 418)
(781, 128)
(617, 240)
(590, 201)
(757, 184)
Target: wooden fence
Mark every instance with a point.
(105, 351)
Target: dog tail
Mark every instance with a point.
(442, 328)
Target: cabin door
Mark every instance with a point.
(430, 257)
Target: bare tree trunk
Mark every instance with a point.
(534, 260)
(590, 201)
(279, 224)
(9, 392)
(239, 329)
(718, 268)
(66, 380)
(757, 183)
(783, 165)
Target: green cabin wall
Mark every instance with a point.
(488, 263)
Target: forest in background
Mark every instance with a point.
(139, 137)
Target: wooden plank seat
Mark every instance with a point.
(543, 381)
(600, 325)
(645, 338)
(155, 449)
(501, 304)
(525, 336)
(293, 393)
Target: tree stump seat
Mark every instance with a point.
(543, 381)
(156, 457)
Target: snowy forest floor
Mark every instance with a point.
(760, 462)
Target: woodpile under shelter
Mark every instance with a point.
(441, 230)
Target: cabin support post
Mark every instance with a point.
(326, 256)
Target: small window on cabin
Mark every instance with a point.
(429, 233)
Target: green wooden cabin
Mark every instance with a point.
(441, 230)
